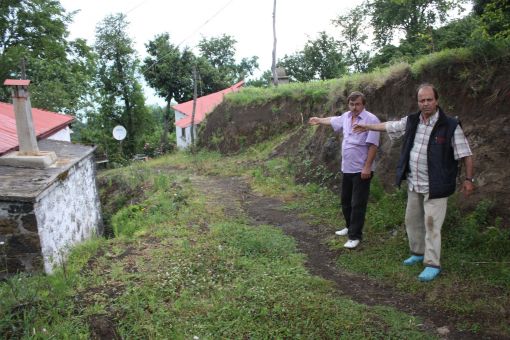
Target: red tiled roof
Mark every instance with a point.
(204, 106)
(16, 82)
(46, 123)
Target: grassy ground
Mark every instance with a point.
(178, 268)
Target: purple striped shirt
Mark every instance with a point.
(355, 145)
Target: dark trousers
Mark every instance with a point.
(354, 203)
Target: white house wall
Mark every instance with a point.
(185, 141)
(62, 135)
(68, 212)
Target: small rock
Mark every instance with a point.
(443, 331)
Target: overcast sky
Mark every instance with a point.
(248, 21)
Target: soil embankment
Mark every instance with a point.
(478, 93)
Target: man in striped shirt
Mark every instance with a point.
(432, 145)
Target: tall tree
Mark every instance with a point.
(354, 37)
(167, 70)
(220, 53)
(494, 18)
(61, 71)
(410, 17)
(121, 97)
(320, 58)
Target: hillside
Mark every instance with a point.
(473, 88)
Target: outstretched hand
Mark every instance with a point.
(359, 128)
(313, 121)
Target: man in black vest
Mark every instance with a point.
(432, 145)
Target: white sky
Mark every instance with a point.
(248, 21)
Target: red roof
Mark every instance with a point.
(46, 123)
(16, 82)
(204, 106)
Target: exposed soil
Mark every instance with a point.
(478, 93)
(238, 199)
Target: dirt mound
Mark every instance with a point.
(477, 93)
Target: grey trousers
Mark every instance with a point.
(424, 219)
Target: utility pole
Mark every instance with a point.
(273, 65)
(194, 105)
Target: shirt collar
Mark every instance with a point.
(432, 120)
(362, 114)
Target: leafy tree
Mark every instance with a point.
(263, 81)
(320, 59)
(412, 17)
(168, 70)
(60, 71)
(220, 53)
(121, 98)
(324, 57)
(296, 67)
(354, 37)
(494, 18)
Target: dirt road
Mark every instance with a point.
(238, 200)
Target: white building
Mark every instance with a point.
(204, 106)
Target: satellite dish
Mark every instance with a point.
(119, 132)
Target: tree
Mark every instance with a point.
(121, 97)
(320, 59)
(411, 17)
(60, 71)
(494, 18)
(296, 67)
(220, 53)
(354, 37)
(167, 70)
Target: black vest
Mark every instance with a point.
(442, 166)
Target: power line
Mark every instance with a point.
(189, 36)
(136, 6)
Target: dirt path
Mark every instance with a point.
(238, 199)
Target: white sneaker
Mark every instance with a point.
(351, 244)
(342, 232)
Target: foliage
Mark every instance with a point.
(494, 19)
(167, 70)
(354, 37)
(412, 17)
(219, 53)
(263, 81)
(121, 100)
(320, 59)
(60, 70)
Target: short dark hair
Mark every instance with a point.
(436, 94)
(355, 95)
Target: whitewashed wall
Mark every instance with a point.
(183, 141)
(62, 135)
(68, 212)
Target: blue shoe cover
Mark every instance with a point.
(413, 260)
(429, 274)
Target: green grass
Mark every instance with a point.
(179, 268)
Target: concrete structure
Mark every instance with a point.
(44, 212)
(48, 195)
(283, 78)
(204, 106)
(28, 154)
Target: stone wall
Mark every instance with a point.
(68, 212)
(37, 235)
(20, 248)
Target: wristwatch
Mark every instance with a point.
(471, 179)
